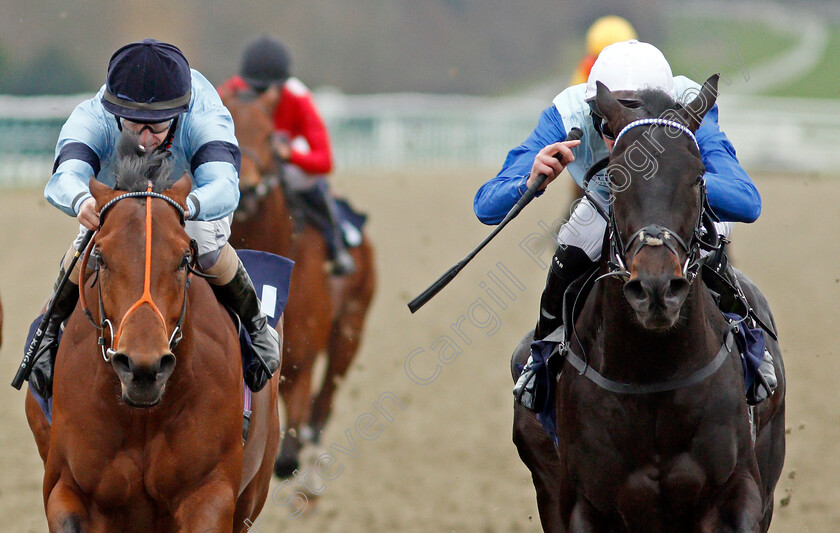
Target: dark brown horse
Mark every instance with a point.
(323, 314)
(654, 434)
(150, 439)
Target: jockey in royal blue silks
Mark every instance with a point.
(625, 68)
(151, 91)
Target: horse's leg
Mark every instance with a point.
(252, 499)
(38, 424)
(66, 513)
(295, 389)
(536, 450)
(739, 508)
(344, 341)
(770, 447)
(262, 445)
(584, 518)
(770, 414)
(345, 337)
(209, 507)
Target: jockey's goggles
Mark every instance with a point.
(598, 121)
(155, 128)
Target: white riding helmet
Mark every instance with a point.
(631, 66)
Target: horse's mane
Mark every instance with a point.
(136, 168)
(656, 102)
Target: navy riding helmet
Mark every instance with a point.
(148, 81)
(265, 62)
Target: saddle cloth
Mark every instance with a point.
(350, 221)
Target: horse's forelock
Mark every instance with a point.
(656, 102)
(136, 168)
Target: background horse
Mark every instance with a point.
(323, 314)
(669, 448)
(153, 440)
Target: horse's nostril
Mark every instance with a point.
(121, 363)
(678, 287)
(167, 365)
(143, 374)
(635, 291)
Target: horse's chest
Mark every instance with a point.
(663, 451)
(116, 482)
(142, 479)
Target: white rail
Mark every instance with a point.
(395, 130)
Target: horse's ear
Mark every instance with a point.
(179, 190)
(269, 98)
(609, 107)
(693, 113)
(606, 103)
(101, 192)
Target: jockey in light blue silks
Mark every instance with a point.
(151, 91)
(625, 68)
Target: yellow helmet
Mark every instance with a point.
(606, 31)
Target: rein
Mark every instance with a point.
(146, 297)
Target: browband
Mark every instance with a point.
(141, 194)
(658, 122)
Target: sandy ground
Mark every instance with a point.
(442, 459)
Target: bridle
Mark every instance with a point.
(652, 235)
(656, 234)
(146, 298)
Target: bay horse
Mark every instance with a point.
(151, 438)
(323, 314)
(653, 430)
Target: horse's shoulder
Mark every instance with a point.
(206, 307)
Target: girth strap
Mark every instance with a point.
(637, 388)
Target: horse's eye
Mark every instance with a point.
(100, 261)
(699, 179)
(185, 262)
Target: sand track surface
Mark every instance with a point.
(421, 431)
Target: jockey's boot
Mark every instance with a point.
(568, 264)
(732, 299)
(321, 200)
(41, 377)
(765, 381)
(240, 295)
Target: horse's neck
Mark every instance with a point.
(207, 327)
(283, 214)
(271, 228)
(631, 352)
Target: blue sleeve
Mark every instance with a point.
(496, 197)
(214, 161)
(732, 194)
(80, 146)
